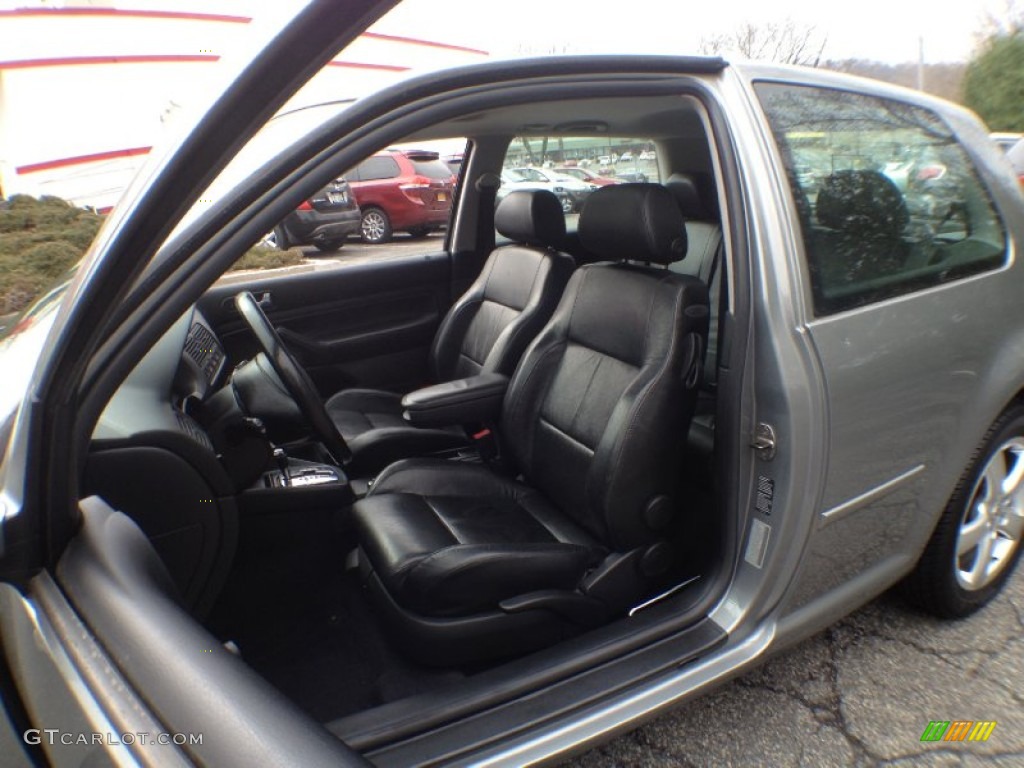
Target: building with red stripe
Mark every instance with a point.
(88, 88)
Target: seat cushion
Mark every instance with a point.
(371, 422)
(452, 539)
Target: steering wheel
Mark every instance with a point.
(294, 378)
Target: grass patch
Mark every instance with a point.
(261, 257)
(40, 239)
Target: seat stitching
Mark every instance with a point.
(642, 398)
(441, 520)
(583, 398)
(645, 393)
(565, 434)
(521, 324)
(493, 549)
(518, 404)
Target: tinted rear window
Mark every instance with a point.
(432, 169)
(382, 167)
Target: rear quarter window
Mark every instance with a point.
(888, 201)
(432, 169)
(376, 168)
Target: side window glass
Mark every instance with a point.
(378, 167)
(397, 201)
(572, 167)
(889, 202)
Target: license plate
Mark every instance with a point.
(442, 196)
(337, 198)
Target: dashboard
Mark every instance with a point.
(183, 368)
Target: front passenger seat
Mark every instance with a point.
(485, 331)
(466, 563)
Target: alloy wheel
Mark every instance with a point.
(993, 521)
(375, 227)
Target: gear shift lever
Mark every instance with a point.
(281, 458)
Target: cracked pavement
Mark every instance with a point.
(858, 694)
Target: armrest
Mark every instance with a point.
(463, 401)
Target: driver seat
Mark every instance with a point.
(467, 564)
(485, 331)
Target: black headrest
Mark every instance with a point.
(531, 216)
(867, 202)
(684, 189)
(638, 222)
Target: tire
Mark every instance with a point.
(330, 246)
(375, 226)
(418, 232)
(977, 541)
(276, 238)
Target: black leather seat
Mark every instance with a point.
(704, 260)
(467, 563)
(486, 330)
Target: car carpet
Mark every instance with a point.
(305, 625)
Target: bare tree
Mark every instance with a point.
(784, 42)
(1007, 21)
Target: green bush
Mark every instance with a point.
(18, 288)
(42, 238)
(260, 257)
(994, 82)
(39, 241)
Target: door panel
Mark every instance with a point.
(366, 324)
(915, 318)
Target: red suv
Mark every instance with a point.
(402, 190)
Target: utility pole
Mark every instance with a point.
(920, 62)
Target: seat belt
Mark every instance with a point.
(487, 192)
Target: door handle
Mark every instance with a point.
(264, 299)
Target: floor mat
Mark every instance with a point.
(310, 631)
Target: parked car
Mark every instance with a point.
(402, 190)
(632, 177)
(1006, 141)
(454, 163)
(1016, 156)
(585, 175)
(712, 447)
(324, 220)
(570, 191)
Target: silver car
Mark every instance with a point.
(491, 505)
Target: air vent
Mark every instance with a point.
(204, 350)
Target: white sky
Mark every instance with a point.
(884, 30)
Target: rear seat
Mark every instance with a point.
(703, 260)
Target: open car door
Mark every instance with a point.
(132, 689)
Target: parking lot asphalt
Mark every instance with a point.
(860, 693)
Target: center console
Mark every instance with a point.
(295, 486)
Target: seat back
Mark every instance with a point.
(703, 257)
(862, 215)
(492, 323)
(600, 404)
